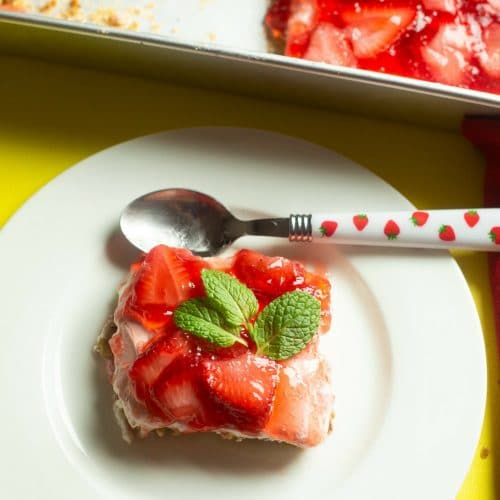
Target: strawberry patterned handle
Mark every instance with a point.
(477, 229)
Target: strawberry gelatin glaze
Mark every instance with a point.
(167, 378)
(455, 42)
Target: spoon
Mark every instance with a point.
(185, 218)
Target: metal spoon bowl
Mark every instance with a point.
(186, 218)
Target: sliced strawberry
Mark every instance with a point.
(177, 393)
(298, 415)
(320, 288)
(243, 388)
(268, 276)
(449, 6)
(374, 28)
(166, 277)
(489, 58)
(148, 367)
(494, 6)
(329, 45)
(301, 23)
(448, 54)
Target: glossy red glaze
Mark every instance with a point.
(180, 378)
(455, 42)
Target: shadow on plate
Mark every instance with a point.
(120, 251)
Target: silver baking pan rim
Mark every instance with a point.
(457, 94)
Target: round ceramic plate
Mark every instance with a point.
(406, 344)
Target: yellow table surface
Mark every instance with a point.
(53, 116)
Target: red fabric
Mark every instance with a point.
(484, 133)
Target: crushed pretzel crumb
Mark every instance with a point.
(107, 17)
(73, 11)
(230, 437)
(133, 26)
(20, 5)
(47, 6)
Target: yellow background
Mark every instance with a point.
(53, 116)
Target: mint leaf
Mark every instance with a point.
(231, 298)
(286, 325)
(195, 316)
(282, 330)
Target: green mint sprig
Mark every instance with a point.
(287, 325)
(282, 329)
(231, 298)
(196, 317)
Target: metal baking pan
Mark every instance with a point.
(221, 44)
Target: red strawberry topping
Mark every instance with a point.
(165, 278)
(373, 29)
(182, 379)
(448, 54)
(303, 19)
(490, 57)
(447, 41)
(177, 393)
(243, 388)
(151, 363)
(320, 288)
(268, 276)
(329, 44)
(449, 6)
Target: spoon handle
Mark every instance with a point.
(472, 229)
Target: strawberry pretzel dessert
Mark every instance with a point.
(227, 345)
(455, 42)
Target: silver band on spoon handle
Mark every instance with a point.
(477, 229)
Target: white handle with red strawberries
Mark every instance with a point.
(477, 229)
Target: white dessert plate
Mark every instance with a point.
(406, 343)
